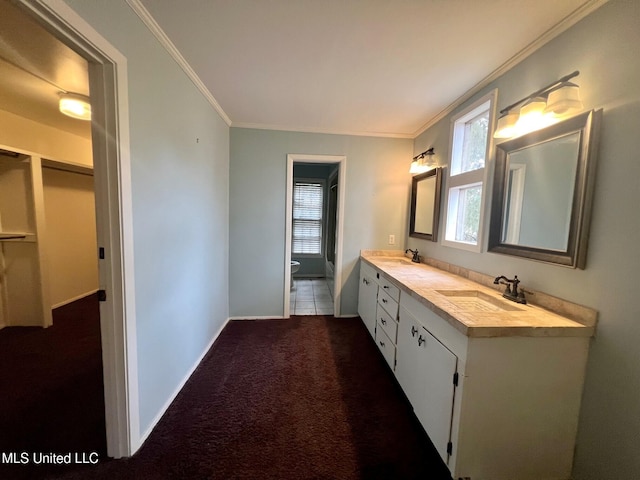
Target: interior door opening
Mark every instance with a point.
(50, 346)
(313, 234)
(57, 24)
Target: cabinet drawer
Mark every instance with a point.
(386, 346)
(368, 271)
(388, 324)
(389, 288)
(388, 303)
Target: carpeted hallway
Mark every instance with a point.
(303, 398)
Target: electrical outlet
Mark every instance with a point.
(392, 239)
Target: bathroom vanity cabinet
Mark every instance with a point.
(386, 319)
(496, 403)
(378, 308)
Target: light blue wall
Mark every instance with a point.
(180, 175)
(604, 48)
(376, 204)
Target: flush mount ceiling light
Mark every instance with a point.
(539, 109)
(423, 162)
(75, 105)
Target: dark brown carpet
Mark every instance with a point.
(51, 387)
(304, 398)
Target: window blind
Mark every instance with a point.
(307, 218)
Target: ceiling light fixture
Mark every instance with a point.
(423, 162)
(75, 105)
(539, 109)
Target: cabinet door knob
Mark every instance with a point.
(381, 343)
(384, 322)
(384, 300)
(421, 340)
(414, 330)
(385, 286)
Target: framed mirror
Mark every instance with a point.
(425, 205)
(543, 190)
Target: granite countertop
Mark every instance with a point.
(495, 316)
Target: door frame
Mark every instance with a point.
(114, 222)
(341, 161)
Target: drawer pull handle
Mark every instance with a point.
(414, 330)
(384, 322)
(365, 281)
(384, 300)
(381, 343)
(421, 340)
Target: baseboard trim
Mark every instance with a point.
(71, 300)
(257, 318)
(173, 396)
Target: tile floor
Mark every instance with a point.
(311, 296)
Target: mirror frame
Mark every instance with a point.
(433, 236)
(588, 125)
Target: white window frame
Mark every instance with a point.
(323, 183)
(480, 176)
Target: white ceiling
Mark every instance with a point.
(380, 67)
(373, 67)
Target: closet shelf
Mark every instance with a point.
(23, 236)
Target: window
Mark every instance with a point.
(470, 146)
(308, 202)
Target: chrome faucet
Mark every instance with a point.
(416, 257)
(511, 291)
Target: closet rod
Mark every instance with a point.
(69, 170)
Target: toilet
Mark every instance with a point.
(295, 266)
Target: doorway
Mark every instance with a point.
(313, 250)
(110, 139)
(51, 358)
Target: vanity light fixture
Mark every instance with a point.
(539, 109)
(75, 105)
(423, 162)
(563, 98)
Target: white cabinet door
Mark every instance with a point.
(425, 370)
(368, 301)
(408, 356)
(437, 368)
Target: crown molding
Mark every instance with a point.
(287, 128)
(168, 45)
(567, 22)
(560, 27)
